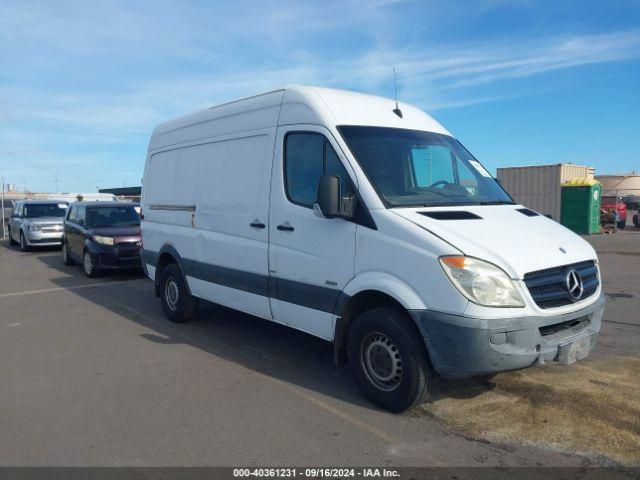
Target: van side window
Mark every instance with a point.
(80, 215)
(308, 156)
(334, 167)
(71, 217)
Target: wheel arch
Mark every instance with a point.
(166, 256)
(364, 293)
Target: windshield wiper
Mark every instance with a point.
(497, 202)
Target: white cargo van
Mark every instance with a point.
(369, 225)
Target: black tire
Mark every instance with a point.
(66, 259)
(374, 336)
(635, 221)
(88, 265)
(12, 242)
(177, 304)
(622, 224)
(23, 243)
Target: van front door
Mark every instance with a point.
(311, 258)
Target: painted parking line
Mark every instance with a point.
(62, 289)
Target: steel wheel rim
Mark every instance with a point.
(88, 267)
(172, 293)
(381, 361)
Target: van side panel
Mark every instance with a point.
(246, 115)
(168, 203)
(403, 261)
(210, 202)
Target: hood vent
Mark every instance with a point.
(451, 215)
(527, 212)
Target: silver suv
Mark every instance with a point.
(37, 223)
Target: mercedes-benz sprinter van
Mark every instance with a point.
(367, 224)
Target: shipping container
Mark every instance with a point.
(539, 187)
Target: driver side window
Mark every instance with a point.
(431, 164)
(308, 156)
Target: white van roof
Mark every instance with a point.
(295, 104)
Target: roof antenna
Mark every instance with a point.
(396, 110)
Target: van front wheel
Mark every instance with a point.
(177, 304)
(12, 242)
(389, 360)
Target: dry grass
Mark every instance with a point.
(592, 408)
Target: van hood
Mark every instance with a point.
(506, 237)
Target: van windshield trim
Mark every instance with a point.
(488, 190)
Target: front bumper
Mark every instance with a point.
(116, 257)
(463, 346)
(44, 239)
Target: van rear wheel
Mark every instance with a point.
(389, 359)
(66, 259)
(177, 304)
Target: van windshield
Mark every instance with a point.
(411, 168)
(35, 210)
(125, 216)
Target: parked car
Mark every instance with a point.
(632, 201)
(636, 219)
(366, 224)
(36, 223)
(615, 204)
(102, 236)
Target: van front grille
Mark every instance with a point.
(569, 327)
(548, 287)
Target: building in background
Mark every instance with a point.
(124, 193)
(539, 187)
(624, 186)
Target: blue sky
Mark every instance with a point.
(82, 84)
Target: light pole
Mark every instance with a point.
(3, 228)
(56, 180)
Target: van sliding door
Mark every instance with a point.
(231, 221)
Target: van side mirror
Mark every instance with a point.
(328, 196)
(329, 204)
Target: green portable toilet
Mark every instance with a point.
(580, 209)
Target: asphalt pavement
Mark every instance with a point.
(92, 374)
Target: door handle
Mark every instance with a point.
(285, 227)
(257, 224)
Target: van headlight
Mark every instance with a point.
(34, 227)
(103, 240)
(481, 282)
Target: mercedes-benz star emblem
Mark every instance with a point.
(574, 285)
